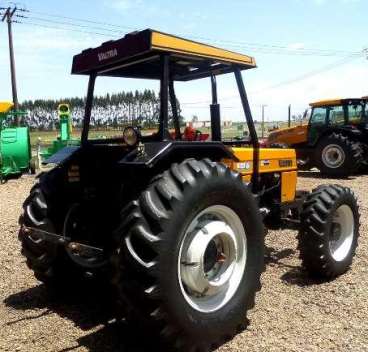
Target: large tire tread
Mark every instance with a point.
(315, 227)
(354, 155)
(141, 241)
(39, 254)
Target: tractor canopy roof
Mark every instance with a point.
(137, 55)
(338, 101)
(5, 106)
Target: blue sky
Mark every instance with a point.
(44, 55)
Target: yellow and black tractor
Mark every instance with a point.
(179, 224)
(335, 140)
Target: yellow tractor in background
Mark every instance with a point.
(335, 140)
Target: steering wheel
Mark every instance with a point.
(198, 135)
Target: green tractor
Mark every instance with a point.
(65, 137)
(15, 145)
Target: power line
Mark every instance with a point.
(62, 25)
(258, 47)
(74, 24)
(264, 48)
(300, 78)
(63, 28)
(310, 74)
(278, 49)
(84, 20)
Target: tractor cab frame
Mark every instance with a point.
(155, 55)
(338, 115)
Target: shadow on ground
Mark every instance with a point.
(296, 275)
(316, 174)
(88, 308)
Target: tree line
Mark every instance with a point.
(110, 110)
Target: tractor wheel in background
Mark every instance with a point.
(337, 155)
(329, 231)
(191, 255)
(52, 264)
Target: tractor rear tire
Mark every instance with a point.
(164, 256)
(329, 231)
(41, 256)
(49, 261)
(338, 156)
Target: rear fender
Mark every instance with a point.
(162, 154)
(346, 131)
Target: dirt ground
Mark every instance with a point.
(292, 313)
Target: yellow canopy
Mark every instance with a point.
(137, 55)
(327, 102)
(5, 106)
(174, 44)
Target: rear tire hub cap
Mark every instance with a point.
(333, 156)
(212, 258)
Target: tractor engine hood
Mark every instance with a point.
(61, 156)
(289, 136)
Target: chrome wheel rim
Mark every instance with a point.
(342, 233)
(212, 258)
(333, 156)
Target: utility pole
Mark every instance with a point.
(263, 126)
(8, 17)
(289, 116)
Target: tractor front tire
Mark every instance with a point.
(190, 257)
(329, 231)
(338, 156)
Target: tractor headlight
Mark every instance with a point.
(131, 136)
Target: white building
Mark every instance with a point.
(203, 124)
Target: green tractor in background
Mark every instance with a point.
(15, 145)
(65, 137)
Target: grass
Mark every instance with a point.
(45, 138)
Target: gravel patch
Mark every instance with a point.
(292, 312)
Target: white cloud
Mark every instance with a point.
(344, 81)
(43, 59)
(323, 2)
(296, 46)
(124, 5)
(29, 39)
